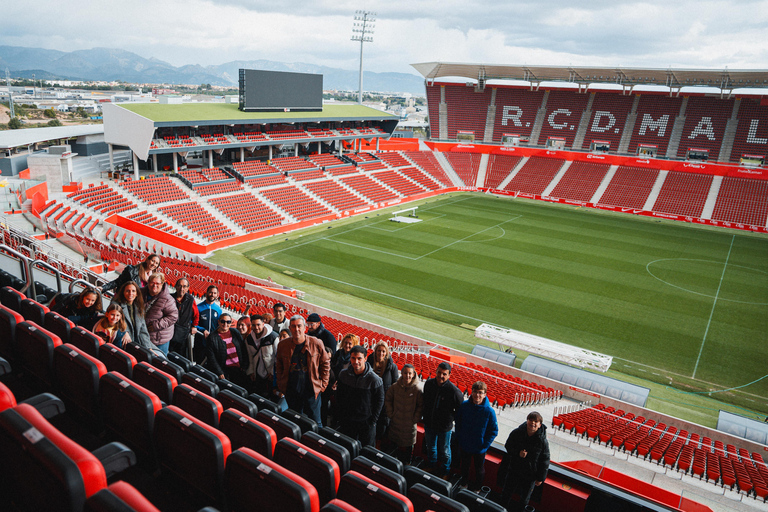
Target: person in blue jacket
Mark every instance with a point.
(209, 313)
(476, 428)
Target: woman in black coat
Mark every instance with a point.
(382, 364)
(139, 274)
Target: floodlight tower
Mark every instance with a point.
(362, 30)
(10, 94)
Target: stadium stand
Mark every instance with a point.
(311, 174)
(516, 110)
(466, 166)
(102, 199)
(155, 190)
(398, 183)
(705, 121)
(393, 159)
(683, 194)
(253, 168)
(630, 187)
(335, 195)
(196, 219)
(247, 211)
(467, 110)
(580, 181)
(227, 187)
(426, 161)
(562, 117)
(296, 203)
(752, 132)
(343, 169)
(535, 175)
(291, 163)
(365, 186)
(499, 167)
(609, 115)
(742, 200)
(656, 115)
(419, 177)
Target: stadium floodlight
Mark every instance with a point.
(362, 30)
(545, 347)
(10, 93)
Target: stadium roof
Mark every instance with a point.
(27, 136)
(164, 115)
(726, 79)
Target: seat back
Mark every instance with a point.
(85, 340)
(34, 347)
(58, 325)
(243, 430)
(33, 311)
(201, 384)
(7, 400)
(337, 505)
(363, 493)
(204, 373)
(139, 352)
(281, 426)
(230, 400)
(157, 381)
(264, 404)
(318, 469)
(78, 375)
(128, 411)
(424, 498)
(168, 367)
(382, 459)
(234, 388)
(117, 359)
(352, 445)
(414, 475)
(9, 319)
(184, 363)
(305, 423)
(475, 503)
(11, 298)
(40, 453)
(203, 407)
(383, 476)
(191, 450)
(253, 478)
(118, 497)
(328, 448)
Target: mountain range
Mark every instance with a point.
(109, 64)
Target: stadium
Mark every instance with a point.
(607, 226)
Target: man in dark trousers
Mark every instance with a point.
(359, 398)
(526, 463)
(441, 401)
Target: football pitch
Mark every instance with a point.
(678, 300)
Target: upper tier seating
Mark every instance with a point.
(609, 115)
(580, 181)
(564, 109)
(361, 157)
(180, 141)
(656, 116)
(292, 163)
(535, 175)
(333, 194)
(630, 187)
(742, 200)
(466, 166)
(253, 168)
(371, 166)
(150, 220)
(102, 199)
(467, 110)
(296, 203)
(705, 121)
(368, 188)
(344, 169)
(213, 139)
(516, 110)
(683, 193)
(288, 134)
(324, 160)
(752, 132)
(499, 167)
(397, 182)
(247, 211)
(156, 189)
(307, 175)
(219, 188)
(433, 106)
(250, 136)
(196, 219)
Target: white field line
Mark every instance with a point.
(712, 312)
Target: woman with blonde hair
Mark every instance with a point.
(382, 364)
(112, 327)
(138, 274)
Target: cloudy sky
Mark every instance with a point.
(630, 33)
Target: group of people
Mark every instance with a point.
(363, 396)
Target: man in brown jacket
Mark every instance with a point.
(302, 368)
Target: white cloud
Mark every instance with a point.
(651, 33)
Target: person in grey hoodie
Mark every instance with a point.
(359, 398)
(261, 344)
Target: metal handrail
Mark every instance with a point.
(23, 261)
(48, 266)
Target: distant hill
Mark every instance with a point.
(115, 64)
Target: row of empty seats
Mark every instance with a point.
(155, 190)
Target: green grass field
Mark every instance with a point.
(670, 302)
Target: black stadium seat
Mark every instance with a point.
(329, 448)
(9, 319)
(383, 476)
(305, 423)
(253, 478)
(58, 325)
(365, 494)
(119, 497)
(339, 506)
(33, 311)
(155, 380)
(282, 426)
(201, 384)
(382, 459)
(117, 359)
(78, 375)
(424, 499)
(11, 298)
(319, 470)
(243, 430)
(230, 400)
(200, 405)
(35, 346)
(85, 340)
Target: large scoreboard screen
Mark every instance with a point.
(279, 91)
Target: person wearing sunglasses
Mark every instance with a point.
(227, 356)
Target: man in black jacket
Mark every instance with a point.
(316, 328)
(188, 318)
(526, 463)
(359, 398)
(441, 401)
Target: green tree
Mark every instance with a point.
(14, 124)
(49, 112)
(80, 111)
(54, 122)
